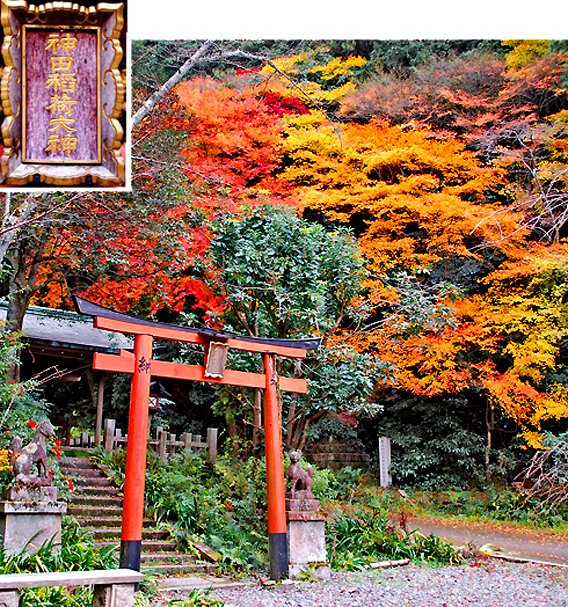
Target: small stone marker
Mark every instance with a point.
(385, 461)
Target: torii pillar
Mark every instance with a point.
(136, 447)
(275, 483)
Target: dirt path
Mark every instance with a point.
(537, 546)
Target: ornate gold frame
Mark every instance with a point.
(109, 18)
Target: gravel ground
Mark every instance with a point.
(484, 583)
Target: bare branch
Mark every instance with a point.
(169, 84)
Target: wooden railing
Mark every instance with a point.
(163, 443)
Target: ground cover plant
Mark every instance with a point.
(224, 507)
(357, 540)
(197, 598)
(493, 505)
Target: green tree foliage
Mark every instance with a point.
(280, 276)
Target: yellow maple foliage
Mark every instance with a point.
(524, 52)
(303, 75)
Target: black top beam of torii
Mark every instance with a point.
(88, 308)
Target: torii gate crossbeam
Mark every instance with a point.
(142, 367)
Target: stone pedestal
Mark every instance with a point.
(29, 517)
(306, 538)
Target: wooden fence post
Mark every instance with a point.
(162, 444)
(187, 441)
(110, 425)
(165, 444)
(172, 444)
(212, 444)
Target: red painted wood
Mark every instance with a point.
(130, 328)
(197, 373)
(135, 472)
(293, 384)
(275, 485)
(124, 363)
(111, 362)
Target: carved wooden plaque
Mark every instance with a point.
(62, 94)
(61, 101)
(216, 359)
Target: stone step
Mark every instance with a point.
(85, 481)
(170, 569)
(147, 545)
(97, 523)
(82, 472)
(166, 557)
(97, 500)
(85, 490)
(107, 522)
(77, 462)
(114, 532)
(94, 511)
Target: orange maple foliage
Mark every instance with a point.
(412, 199)
(505, 343)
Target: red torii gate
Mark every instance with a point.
(142, 367)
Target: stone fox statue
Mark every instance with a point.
(301, 480)
(33, 453)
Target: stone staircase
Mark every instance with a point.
(97, 505)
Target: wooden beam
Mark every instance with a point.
(193, 337)
(131, 328)
(124, 363)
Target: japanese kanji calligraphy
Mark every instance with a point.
(63, 92)
(62, 102)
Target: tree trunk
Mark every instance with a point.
(293, 406)
(257, 420)
(298, 432)
(18, 304)
(170, 83)
(23, 280)
(233, 433)
(290, 419)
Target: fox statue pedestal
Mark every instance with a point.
(306, 538)
(29, 511)
(30, 516)
(305, 523)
